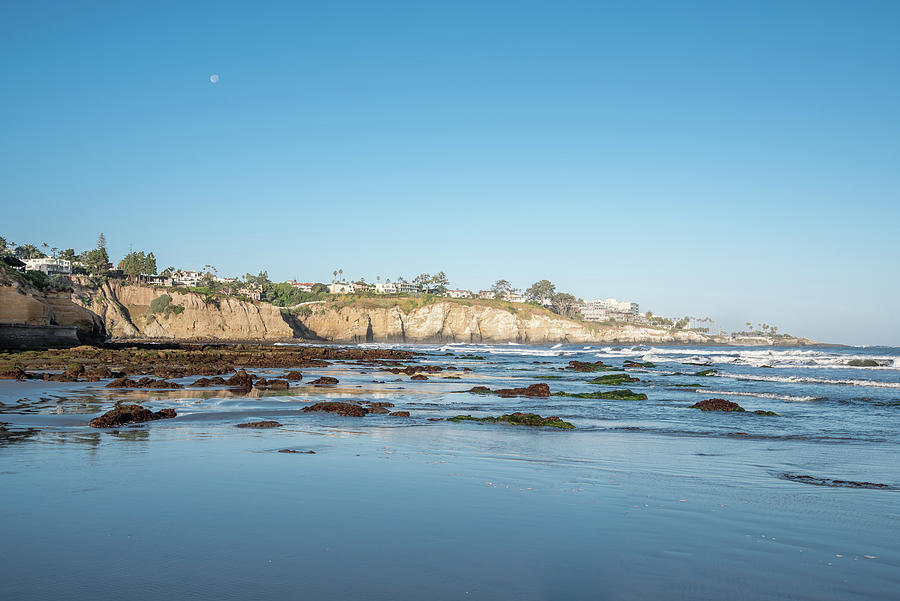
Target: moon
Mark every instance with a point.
(214, 78)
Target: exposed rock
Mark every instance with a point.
(296, 451)
(644, 364)
(378, 410)
(584, 366)
(129, 414)
(607, 395)
(535, 390)
(614, 380)
(419, 377)
(13, 373)
(324, 381)
(518, 419)
(240, 380)
(346, 409)
(144, 382)
(400, 414)
(205, 382)
(262, 424)
(293, 376)
(717, 405)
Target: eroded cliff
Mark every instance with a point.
(459, 321)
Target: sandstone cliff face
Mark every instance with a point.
(126, 311)
(22, 303)
(454, 322)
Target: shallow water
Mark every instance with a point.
(643, 500)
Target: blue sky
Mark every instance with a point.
(736, 160)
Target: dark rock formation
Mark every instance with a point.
(240, 380)
(324, 381)
(129, 414)
(419, 377)
(144, 382)
(293, 376)
(717, 405)
(206, 382)
(262, 424)
(518, 419)
(535, 390)
(400, 414)
(584, 366)
(346, 409)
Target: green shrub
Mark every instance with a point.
(159, 304)
(38, 278)
(177, 309)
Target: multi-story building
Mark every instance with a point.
(512, 297)
(407, 288)
(459, 293)
(254, 291)
(49, 266)
(302, 286)
(341, 288)
(386, 288)
(185, 278)
(609, 309)
(486, 294)
(159, 280)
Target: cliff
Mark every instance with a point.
(46, 317)
(133, 311)
(469, 321)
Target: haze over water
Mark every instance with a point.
(644, 499)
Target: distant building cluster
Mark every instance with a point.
(610, 309)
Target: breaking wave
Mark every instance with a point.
(765, 395)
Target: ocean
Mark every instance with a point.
(643, 499)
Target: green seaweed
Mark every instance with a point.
(761, 412)
(706, 373)
(518, 419)
(610, 395)
(614, 380)
(644, 364)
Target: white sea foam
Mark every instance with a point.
(763, 395)
(775, 358)
(805, 380)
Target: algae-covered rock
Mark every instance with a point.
(584, 366)
(609, 395)
(518, 419)
(643, 364)
(614, 380)
(260, 425)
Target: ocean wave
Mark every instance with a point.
(775, 358)
(764, 395)
(806, 380)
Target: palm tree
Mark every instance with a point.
(334, 276)
(341, 272)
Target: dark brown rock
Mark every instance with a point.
(324, 381)
(293, 376)
(13, 373)
(717, 405)
(400, 414)
(240, 380)
(419, 377)
(262, 424)
(129, 414)
(346, 409)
